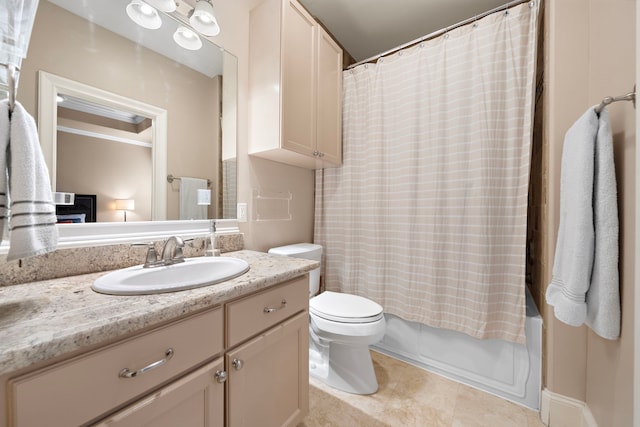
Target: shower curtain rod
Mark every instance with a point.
(442, 31)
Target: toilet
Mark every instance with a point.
(341, 328)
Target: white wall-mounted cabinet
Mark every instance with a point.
(295, 87)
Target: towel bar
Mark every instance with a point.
(171, 178)
(631, 96)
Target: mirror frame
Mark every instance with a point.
(114, 233)
(50, 86)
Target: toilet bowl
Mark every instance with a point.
(341, 328)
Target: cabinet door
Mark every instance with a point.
(196, 400)
(268, 382)
(329, 125)
(298, 80)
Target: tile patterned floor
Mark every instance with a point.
(409, 396)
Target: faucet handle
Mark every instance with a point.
(151, 259)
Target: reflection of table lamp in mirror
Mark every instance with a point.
(125, 205)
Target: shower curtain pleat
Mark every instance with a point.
(428, 214)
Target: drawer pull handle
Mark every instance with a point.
(237, 363)
(283, 304)
(127, 373)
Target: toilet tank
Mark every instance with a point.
(307, 251)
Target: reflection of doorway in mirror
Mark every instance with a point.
(107, 153)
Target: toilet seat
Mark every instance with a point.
(345, 308)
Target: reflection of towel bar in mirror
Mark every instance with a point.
(171, 178)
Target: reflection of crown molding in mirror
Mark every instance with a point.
(51, 85)
(113, 233)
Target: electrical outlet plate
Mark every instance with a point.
(242, 212)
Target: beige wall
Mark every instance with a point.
(65, 45)
(258, 174)
(590, 53)
(86, 164)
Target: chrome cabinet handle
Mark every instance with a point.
(127, 373)
(237, 363)
(283, 304)
(220, 376)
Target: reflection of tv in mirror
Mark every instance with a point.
(82, 210)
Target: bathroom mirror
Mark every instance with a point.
(102, 56)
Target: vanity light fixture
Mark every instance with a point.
(203, 20)
(125, 205)
(163, 5)
(144, 15)
(187, 38)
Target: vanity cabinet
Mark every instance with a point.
(295, 87)
(245, 363)
(268, 375)
(196, 400)
(83, 388)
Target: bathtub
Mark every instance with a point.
(512, 371)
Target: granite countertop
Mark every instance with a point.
(42, 320)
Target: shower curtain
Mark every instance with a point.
(428, 214)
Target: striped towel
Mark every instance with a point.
(32, 216)
(4, 184)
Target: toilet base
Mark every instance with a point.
(344, 367)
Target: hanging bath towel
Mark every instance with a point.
(4, 184)
(584, 285)
(189, 208)
(603, 298)
(32, 217)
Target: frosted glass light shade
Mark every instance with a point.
(143, 14)
(187, 38)
(125, 204)
(163, 5)
(203, 20)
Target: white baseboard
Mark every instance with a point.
(557, 410)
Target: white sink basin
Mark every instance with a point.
(192, 273)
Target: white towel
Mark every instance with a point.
(189, 208)
(32, 222)
(587, 194)
(603, 298)
(4, 183)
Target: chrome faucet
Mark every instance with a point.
(172, 251)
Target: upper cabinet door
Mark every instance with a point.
(298, 80)
(329, 124)
(295, 87)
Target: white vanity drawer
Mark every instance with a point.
(76, 391)
(253, 314)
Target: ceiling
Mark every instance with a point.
(366, 28)
(111, 15)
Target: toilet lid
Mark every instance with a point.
(345, 308)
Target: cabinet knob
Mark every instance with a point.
(237, 363)
(221, 376)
